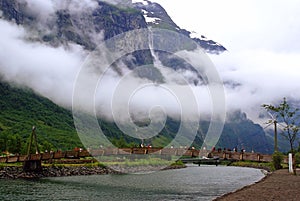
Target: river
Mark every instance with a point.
(191, 183)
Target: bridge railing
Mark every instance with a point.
(77, 154)
(244, 156)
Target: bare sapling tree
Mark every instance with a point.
(287, 116)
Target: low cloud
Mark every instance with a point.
(49, 71)
(52, 72)
(258, 77)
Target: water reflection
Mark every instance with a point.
(192, 183)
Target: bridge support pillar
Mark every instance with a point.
(32, 166)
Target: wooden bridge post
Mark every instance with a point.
(35, 164)
(32, 166)
(242, 156)
(224, 155)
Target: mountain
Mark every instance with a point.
(87, 27)
(65, 26)
(242, 133)
(157, 17)
(21, 109)
(81, 27)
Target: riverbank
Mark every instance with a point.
(276, 186)
(16, 172)
(257, 165)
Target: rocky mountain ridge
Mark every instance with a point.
(78, 26)
(157, 17)
(89, 26)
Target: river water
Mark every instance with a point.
(192, 183)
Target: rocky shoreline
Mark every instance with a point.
(16, 172)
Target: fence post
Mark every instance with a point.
(291, 163)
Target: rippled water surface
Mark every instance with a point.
(192, 183)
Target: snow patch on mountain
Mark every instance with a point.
(144, 2)
(197, 35)
(153, 20)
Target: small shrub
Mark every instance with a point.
(97, 164)
(277, 160)
(2, 165)
(179, 163)
(297, 158)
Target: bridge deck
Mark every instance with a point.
(191, 153)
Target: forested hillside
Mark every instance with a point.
(20, 109)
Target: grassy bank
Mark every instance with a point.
(259, 165)
(140, 162)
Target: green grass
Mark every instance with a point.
(259, 165)
(139, 162)
(2, 165)
(178, 163)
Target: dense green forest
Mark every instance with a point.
(20, 109)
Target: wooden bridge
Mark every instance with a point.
(48, 156)
(215, 158)
(33, 162)
(123, 152)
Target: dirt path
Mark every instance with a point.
(280, 185)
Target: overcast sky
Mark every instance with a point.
(268, 24)
(262, 38)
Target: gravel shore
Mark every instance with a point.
(277, 186)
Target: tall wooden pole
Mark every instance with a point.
(37, 150)
(33, 138)
(30, 141)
